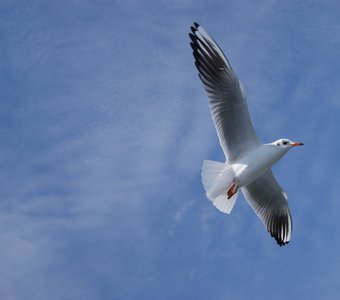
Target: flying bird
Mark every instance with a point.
(248, 161)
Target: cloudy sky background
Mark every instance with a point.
(104, 126)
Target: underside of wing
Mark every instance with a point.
(227, 99)
(269, 201)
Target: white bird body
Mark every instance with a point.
(254, 163)
(248, 161)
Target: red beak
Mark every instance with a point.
(297, 144)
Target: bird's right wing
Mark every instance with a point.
(228, 104)
(269, 201)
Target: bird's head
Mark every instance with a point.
(286, 144)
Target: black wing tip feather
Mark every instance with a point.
(276, 230)
(194, 38)
(193, 29)
(279, 241)
(204, 52)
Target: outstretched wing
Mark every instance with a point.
(227, 101)
(269, 201)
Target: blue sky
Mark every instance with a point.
(104, 126)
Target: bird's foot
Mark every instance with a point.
(232, 190)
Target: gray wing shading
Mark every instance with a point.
(227, 99)
(269, 201)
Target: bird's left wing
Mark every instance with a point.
(269, 201)
(227, 100)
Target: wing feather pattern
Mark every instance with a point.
(227, 101)
(269, 201)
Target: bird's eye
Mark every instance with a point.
(278, 144)
(285, 143)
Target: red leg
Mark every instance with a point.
(232, 190)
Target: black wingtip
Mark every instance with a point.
(279, 241)
(196, 25)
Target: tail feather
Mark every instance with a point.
(217, 178)
(210, 171)
(223, 204)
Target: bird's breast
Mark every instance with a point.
(252, 166)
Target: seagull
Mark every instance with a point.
(248, 161)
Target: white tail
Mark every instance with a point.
(217, 178)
